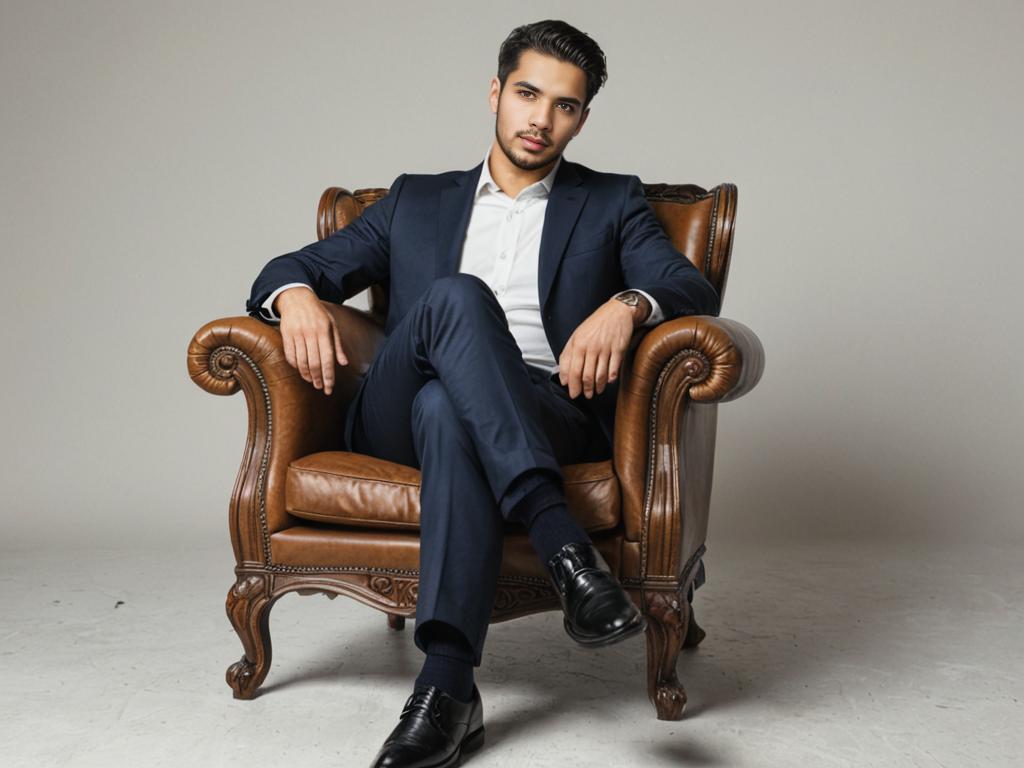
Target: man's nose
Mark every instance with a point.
(541, 119)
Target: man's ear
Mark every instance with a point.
(495, 94)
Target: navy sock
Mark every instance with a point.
(550, 526)
(449, 662)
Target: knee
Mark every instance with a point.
(462, 291)
(432, 406)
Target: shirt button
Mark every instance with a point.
(503, 254)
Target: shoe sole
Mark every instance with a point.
(471, 743)
(621, 634)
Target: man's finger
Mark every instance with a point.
(613, 365)
(575, 372)
(313, 350)
(589, 365)
(300, 357)
(601, 372)
(326, 342)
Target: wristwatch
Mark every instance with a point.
(633, 299)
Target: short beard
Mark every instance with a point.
(523, 162)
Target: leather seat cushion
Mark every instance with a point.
(353, 489)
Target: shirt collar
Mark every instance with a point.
(486, 180)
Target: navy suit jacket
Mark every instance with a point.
(599, 236)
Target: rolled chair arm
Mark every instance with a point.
(702, 359)
(728, 363)
(288, 416)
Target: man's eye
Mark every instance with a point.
(570, 109)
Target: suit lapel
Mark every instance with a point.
(565, 202)
(454, 207)
(564, 205)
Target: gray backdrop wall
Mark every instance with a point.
(155, 155)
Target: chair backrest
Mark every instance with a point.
(699, 222)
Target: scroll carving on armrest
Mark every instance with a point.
(288, 416)
(727, 363)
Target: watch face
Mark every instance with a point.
(629, 298)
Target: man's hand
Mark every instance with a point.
(594, 352)
(311, 338)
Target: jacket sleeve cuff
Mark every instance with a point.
(267, 309)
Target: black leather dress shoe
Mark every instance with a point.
(597, 609)
(433, 731)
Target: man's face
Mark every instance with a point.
(542, 99)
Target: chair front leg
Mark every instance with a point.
(668, 616)
(248, 607)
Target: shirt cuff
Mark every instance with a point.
(656, 315)
(267, 309)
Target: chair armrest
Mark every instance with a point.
(728, 360)
(665, 422)
(288, 416)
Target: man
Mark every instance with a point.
(491, 273)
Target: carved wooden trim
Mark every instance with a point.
(660, 481)
(223, 364)
(670, 628)
(400, 592)
(256, 590)
(515, 598)
(712, 233)
(667, 617)
(248, 607)
(720, 242)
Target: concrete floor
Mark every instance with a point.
(817, 655)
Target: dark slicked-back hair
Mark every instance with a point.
(558, 39)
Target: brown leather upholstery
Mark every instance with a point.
(366, 492)
(308, 517)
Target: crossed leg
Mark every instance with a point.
(449, 392)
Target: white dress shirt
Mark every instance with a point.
(502, 248)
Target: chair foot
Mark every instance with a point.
(240, 677)
(396, 622)
(666, 618)
(248, 607)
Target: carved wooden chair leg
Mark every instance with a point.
(248, 607)
(396, 622)
(667, 616)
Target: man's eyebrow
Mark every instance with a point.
(534, 88)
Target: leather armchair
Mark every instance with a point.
(308, 517)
